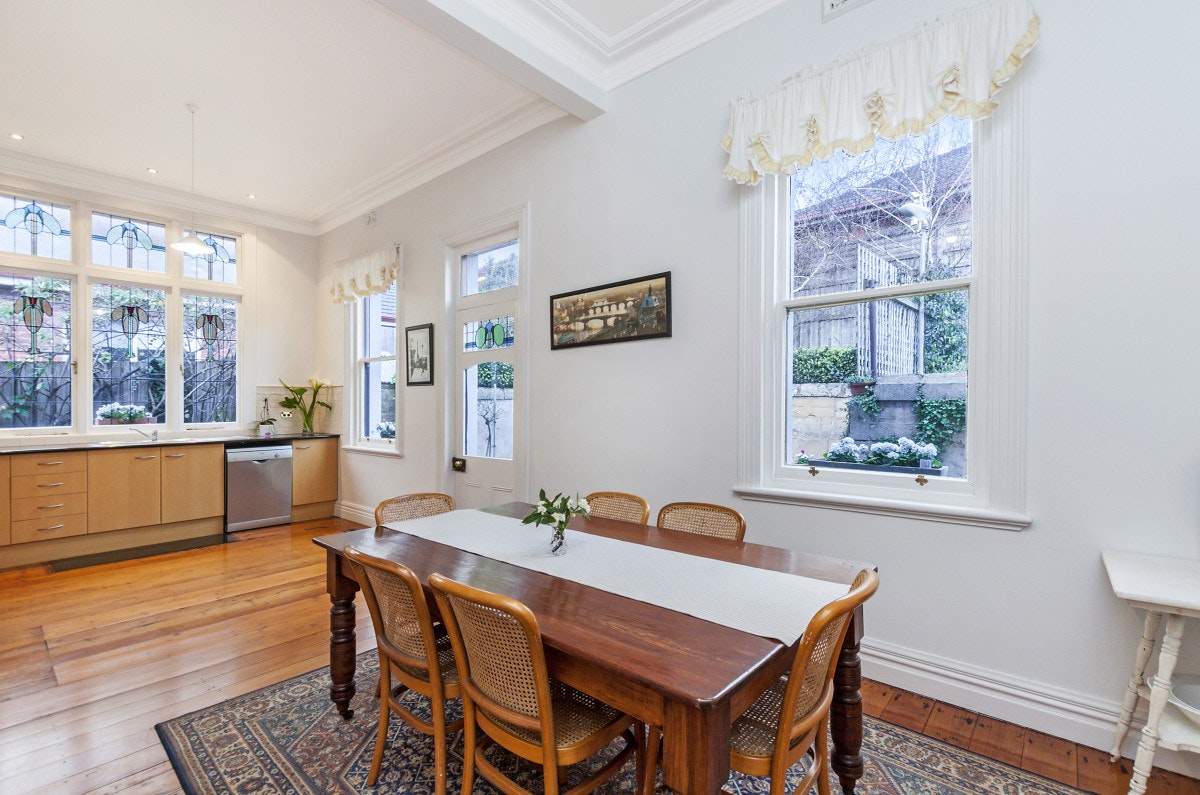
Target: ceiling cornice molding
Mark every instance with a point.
(472, 140)
(121, 191)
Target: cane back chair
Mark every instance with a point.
(411, 649)
(412, 506)
(791, 718)
(618, 505)
(509, 695)
(703, 518)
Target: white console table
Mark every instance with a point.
(1162, 587)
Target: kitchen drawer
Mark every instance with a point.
(48, 505)
(49, 483)
(45, 529)
(42, 463)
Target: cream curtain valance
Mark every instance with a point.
(953, 66)
(367, 274)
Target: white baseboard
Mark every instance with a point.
(1060, 713)
(363, 514)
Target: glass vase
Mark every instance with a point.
(558, 543)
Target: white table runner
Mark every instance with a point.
(767, 603)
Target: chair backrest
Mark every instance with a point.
(811, 678)
(399, 612)
(501, 660)
(413, 506)
(704, 519)
(618, 505)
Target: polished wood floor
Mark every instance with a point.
(91, 659)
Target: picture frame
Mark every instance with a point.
(418, 360)
(633, 309)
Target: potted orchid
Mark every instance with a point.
(556, 511)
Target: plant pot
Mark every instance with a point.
(929, 472)
(858, 388)
(265, 430)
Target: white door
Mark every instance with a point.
(488, 445)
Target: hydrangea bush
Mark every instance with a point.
(902, 452)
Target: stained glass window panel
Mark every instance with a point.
(35, 351)
(218, 266)
(35, 227)
(122, 242)
(210, 346)
(481, 335)
(129, 348)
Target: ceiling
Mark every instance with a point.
(320, 109)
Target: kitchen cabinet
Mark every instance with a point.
(193, 482)
(47, 496)
(314, 470)
(123, 488)
(5, 529)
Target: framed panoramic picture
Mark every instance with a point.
(419, 344)
(635, 309)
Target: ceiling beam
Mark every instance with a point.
(462, 24)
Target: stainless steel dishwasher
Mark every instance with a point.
(258, 487)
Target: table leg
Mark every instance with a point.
(695, 748)
(341, 635)
(1145, 647)
(845, 715)
(1167, 657)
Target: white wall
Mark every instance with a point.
(1019, 625)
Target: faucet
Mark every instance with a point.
(151, 436)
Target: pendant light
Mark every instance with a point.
(191, 243)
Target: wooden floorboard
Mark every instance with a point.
(91, 659)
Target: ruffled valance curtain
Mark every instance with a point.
(952, 66)
(367, 274)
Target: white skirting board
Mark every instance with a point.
(1050, 710)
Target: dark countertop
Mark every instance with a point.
(228, 441)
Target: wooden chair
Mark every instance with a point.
(791, 718)
(420, 657)
(509, 695)
(618, 505)
(413, 506)
(704, 519)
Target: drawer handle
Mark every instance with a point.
(303, 446)
(51, 527)
(50, 485)
(47, 507)
(49, 463)
(176, 455)
(146, 457)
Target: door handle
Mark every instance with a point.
(458, 464)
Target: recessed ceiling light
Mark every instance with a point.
(152, 171)
(16, 136)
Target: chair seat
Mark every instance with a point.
(753, 733)
(577, 716)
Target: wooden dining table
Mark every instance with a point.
(668, 669)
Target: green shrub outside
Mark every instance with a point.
(499, 374)
(823, 365)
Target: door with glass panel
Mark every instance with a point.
(487, 443)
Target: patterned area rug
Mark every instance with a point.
(287, 738)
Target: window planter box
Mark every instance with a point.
(142, 421)
(820, 463)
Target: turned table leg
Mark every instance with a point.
(1167, 656)
(845, 715)
(1145, 647)
(341, 635)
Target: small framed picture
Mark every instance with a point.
(419, 344)
(635, 309)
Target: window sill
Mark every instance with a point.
(378, 451)
(952, 514)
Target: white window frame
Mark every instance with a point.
(356, 313)
(993, 492)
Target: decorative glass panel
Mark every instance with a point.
(35, 351)
(489, 416)
(128, 352)
(879, 372)
(209, 359)
(35, 227)
(219, 266)
(123, 242)
(490, 269)
(481, 335)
